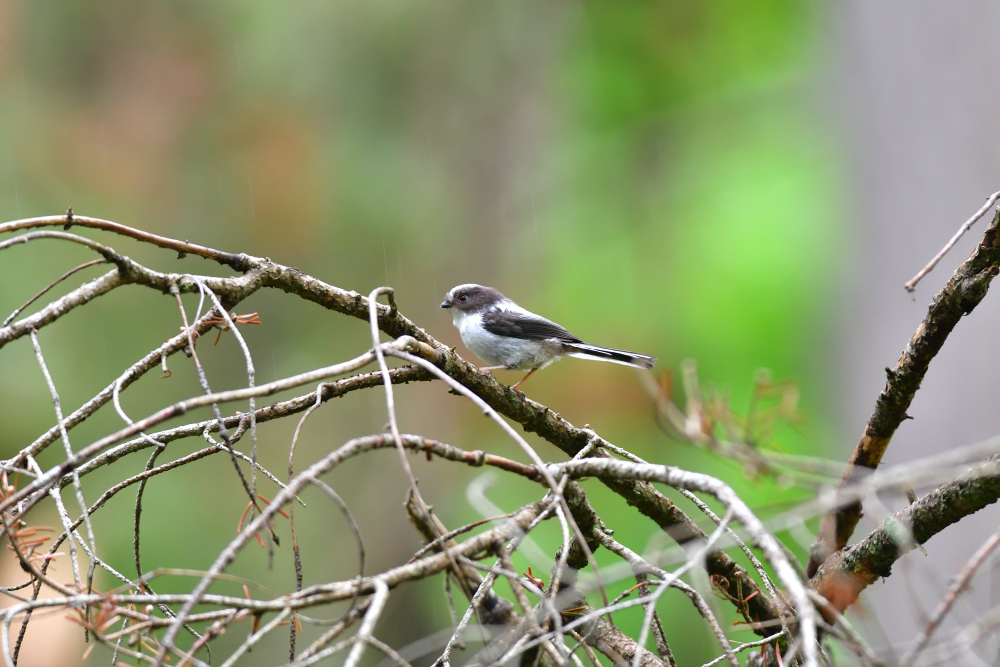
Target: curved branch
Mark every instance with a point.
(534, 417)
(277, 410)
(846, 573)
(78, 297)
(45, 290)
(957, 298)
(236, 261)
(604, 468)
(531, 415)
(133, 373)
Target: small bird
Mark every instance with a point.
(507, 336)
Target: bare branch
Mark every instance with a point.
(133, 373)
(540, 631)
(237, 262)
(960, 585)
(77, 487)
(78, 297)
(704, 483)
(45, 290)
(957, 298)
(327, 391)
(364, 635)
(531, 415)
(848, 572)
(966, 226)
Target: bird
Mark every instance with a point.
(507, 336)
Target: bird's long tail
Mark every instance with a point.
(586, 351)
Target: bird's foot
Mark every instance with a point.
(488, 370)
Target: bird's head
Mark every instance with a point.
(472, 298)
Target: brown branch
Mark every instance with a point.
(229, 290)
(846, 573)
(236, 261)
(531, 415)
(613, 469)
(959, 297)
(277, 410)
(497, 610)
(619, 647)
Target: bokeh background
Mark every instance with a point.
(743, 184)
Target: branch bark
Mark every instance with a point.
(957, 298)
(848, 572)
(532, 416)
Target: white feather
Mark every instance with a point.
(527, 353)
(639, 360)
(515, 353)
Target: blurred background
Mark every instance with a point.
(743, 184)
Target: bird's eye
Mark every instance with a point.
(464, 297)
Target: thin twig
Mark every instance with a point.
(516, 437)
(704, 483)
(390, 402)
(364, 635)
(437, 562)
(251, 377)
(77, 486)
(236, 261)
(45, 290)
(966, 226)
(43, 481)
(960, 296)
(956, 589)
(203, 379)
(743, 647)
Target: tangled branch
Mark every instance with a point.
(554, 624)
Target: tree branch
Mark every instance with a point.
(846, 573)
(959, 297)
(533, 416)
(236, 261)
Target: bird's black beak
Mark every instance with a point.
(445, 304)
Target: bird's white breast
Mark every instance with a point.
(503, 350)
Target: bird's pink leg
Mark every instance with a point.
(492, 368)
(523, 379)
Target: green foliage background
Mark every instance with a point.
(654, 175)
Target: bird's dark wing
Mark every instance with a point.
(519, 325)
